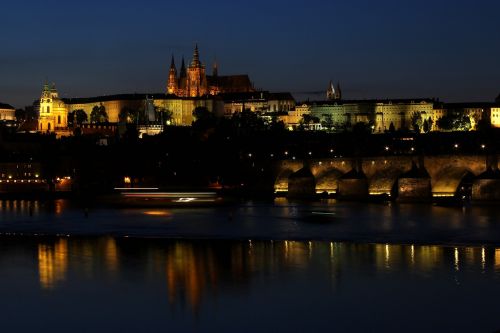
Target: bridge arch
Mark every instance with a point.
(385, 181)
(328, 181)
(452, 180)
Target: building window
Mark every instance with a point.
(48, 126)
(58, 120)
(48, 109)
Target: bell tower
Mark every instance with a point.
(53, 114)
(172, 85)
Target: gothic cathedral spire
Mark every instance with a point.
(172, 78)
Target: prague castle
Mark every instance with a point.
(190, 89)
(194, 82)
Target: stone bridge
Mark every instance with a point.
(441, 176)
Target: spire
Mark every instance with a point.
(183, 68)
(330, 93)
(215, 69)
(338, 93)
(196, 57)
(172, 63)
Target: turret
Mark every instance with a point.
(330, 92)
(215, 69)
(183, 72)
(196, 57)
(338, 93)
(172, 78)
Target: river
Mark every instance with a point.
(251, 267)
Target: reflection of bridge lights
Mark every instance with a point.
(186, 199)
(483, 257)
(157, 213)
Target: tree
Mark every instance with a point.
(163, 116)
(71, 119)
(425, 126)
(204, 119)
(392, 128)
(454, 121)
(327, 122)
(306, 120)
(80, 117)
(416, 121)
(127, 115)
(94, 115)
(248, 120)
(20, 114)
(98, 114)
(484, 124)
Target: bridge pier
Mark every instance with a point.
(353, 185)
(302, 184)
(415, 185)
(486, 187)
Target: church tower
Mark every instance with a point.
(172, 85)
(338, 93)
(53, 114)
(197, 79)
(332, 93)
(182, 83)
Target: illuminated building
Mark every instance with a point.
(495, 116)
(53, 113)
(7, 112)
(384, 115)
(262, 102)
(21, 177)
(194, 82)
(379, 113)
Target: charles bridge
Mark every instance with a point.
(410, 178)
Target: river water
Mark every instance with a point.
(268, 267)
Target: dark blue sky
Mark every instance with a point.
(376, 49)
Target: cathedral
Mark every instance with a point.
(332, 93)
(193, 81)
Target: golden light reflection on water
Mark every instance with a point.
(111, 254)
(52, 263)
(193, 270)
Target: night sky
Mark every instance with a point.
(376, 49)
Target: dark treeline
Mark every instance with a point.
(238, 153)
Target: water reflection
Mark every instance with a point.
(194, 270)
(52, 263)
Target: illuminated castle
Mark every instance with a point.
(194, 82)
